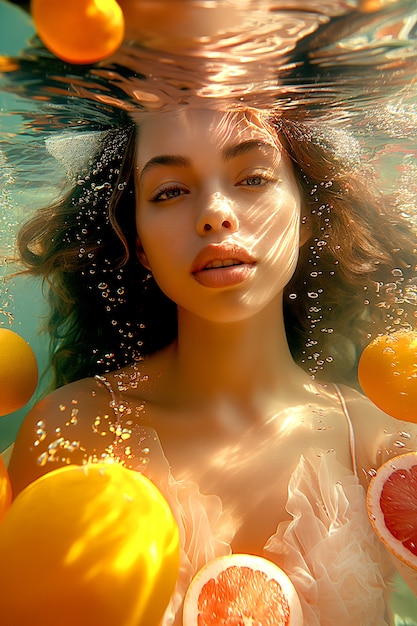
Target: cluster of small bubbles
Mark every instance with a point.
(342, 145)
(7, 297)
(59, 450)
(406, 190)
(120, 432)
(40, 433)
(99, 427)
(404, 434)
(73, 419)
(370, 473)
(313, 356)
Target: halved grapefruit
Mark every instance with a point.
(392, 506)
(241, 589)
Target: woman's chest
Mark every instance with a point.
(250, 471)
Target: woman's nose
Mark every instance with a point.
(217, 214)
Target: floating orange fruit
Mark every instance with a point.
(79, 31)
(18, 371)
(392, 506)
(241, 589)
(88, 545)
(387, 373)
(5, 490)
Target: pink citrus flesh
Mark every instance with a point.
(241, 589)
(392, 506)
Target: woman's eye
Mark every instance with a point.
(256, 180)
(169, 193)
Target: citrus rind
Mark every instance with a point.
(373, 502)
(215, 567)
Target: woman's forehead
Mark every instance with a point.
(162, 132)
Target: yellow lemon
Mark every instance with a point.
(18, 371)
(86, 545)
(79, 31)
(388, 374)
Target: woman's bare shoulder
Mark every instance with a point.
(378, 436)
(61, 428)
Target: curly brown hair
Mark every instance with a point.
(106, 311)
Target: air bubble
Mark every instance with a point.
(42, 459)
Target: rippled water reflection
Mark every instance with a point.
(284, 54)
(335, 60)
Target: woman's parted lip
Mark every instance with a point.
(214, 254)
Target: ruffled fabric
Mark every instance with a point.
(203, 527)
(203, 537)
(329, 550)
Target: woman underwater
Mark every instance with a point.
(194, 276)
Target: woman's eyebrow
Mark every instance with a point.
(165, 160)
(239, 149)
(230, 152)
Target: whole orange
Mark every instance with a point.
(79, 31)
(86, 545)
(18, 371)
(5, 490)
(387, 373)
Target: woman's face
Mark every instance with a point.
(218, 211)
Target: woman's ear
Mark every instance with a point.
(140, 253)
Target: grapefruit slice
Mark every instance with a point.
(392, 506)
(241, 590)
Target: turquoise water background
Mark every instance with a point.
(21, 302)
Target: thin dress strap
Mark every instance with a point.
(350, 427)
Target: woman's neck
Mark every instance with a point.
(236, 362)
